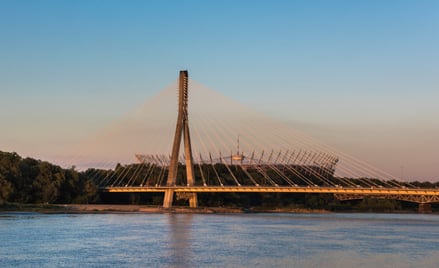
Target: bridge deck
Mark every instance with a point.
(279, 189)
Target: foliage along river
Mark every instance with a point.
(218, 240)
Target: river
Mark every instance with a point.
(218, 240)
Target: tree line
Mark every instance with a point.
(27, 180)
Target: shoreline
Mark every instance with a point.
(155, 209)
(146, 209)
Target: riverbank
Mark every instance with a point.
(110, 208)
(113, 208)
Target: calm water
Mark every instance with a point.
(244, 240)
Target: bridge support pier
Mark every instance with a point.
(424, 208)
(193, 200)
(168, 199)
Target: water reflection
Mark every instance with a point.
(180, 236)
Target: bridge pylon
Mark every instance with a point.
(181, 130)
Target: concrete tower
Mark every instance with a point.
(181, 129)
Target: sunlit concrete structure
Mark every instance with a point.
(181, 130)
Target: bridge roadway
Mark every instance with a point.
(419, 195)
(416, 195)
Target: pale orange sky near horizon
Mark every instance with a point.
(217, 120)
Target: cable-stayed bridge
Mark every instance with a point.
(230, 148)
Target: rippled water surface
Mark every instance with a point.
(215, 240)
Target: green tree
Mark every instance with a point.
(5, 189)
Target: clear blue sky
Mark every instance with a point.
(362, 76)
